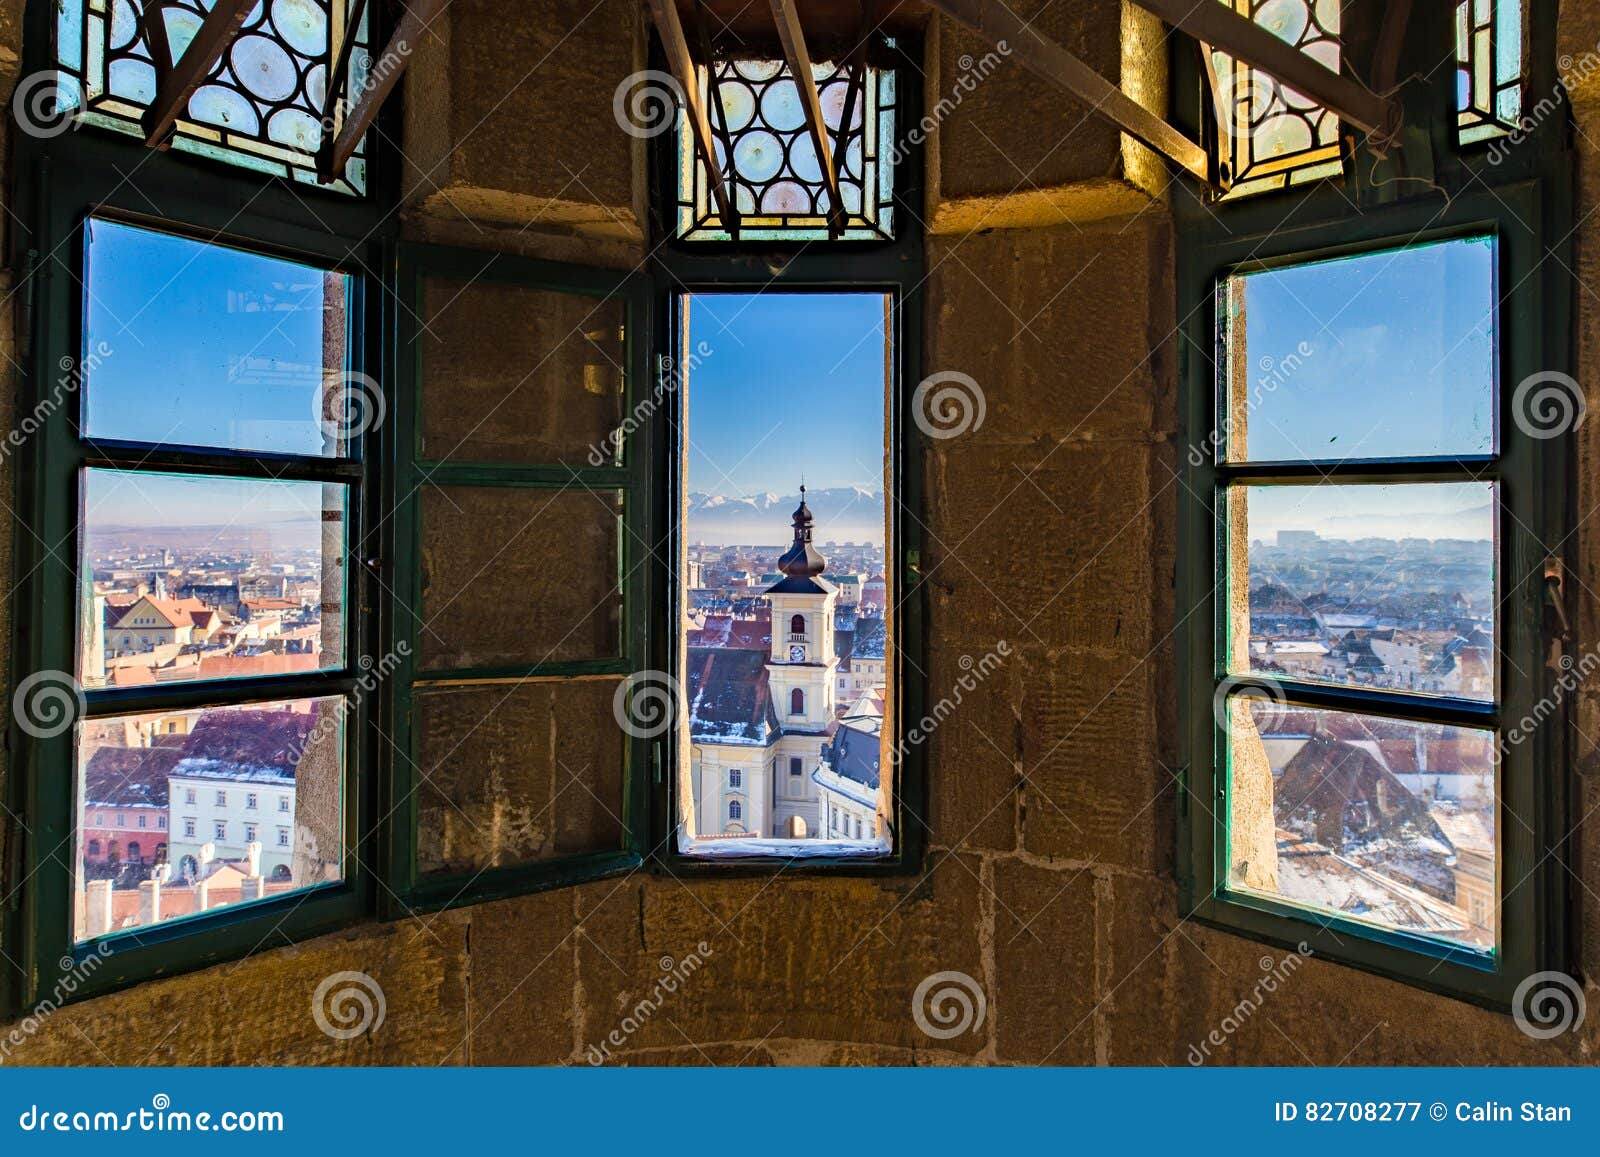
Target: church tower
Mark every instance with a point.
(801, 671)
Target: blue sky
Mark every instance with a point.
(792, 384)
(1384, 355)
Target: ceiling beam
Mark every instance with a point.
(855, 88)
(670, 29)
(714, 92)
(176, 85)
(155, 35)
(805, 82)
(382, 77)
(1003, 29)
(1243, 39)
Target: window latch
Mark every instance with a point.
(1555, 595)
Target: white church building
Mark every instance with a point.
(762, 723)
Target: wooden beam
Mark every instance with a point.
(670, 29)
(1243, 39)
(1002, 28)
(384, 74)
(714, 93)
(805, 83)
(189, 71)
(1391, 38)
(334, 82)
(155, 35)
(855, 88)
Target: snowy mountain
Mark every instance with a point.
(842, 513)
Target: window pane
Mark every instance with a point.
(514, 374)
(201, 345)
(514, 576)
(517, 773)
(789, 625)
(1380, 820)
(1386, 355)
(187, 578)
(183, 812)
(1373, 586)
(260, 107)
(1271, 136)
(1489, 68)
(776, 179)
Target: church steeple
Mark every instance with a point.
(802, 560)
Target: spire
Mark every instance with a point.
(801, 560)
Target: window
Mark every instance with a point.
(143, 821)
(188, 795)
(161, 822)
(250, 800)
(777, 182)
(735, 810)
(795, 765)
(283, 837)
(222, 799)
(1376, 416)
(135, 853)
(797, 626)
(249, 833)
(1490, 40)
(122, 820)
(797, 702)
(188, 829)
(735, 778)
(259, 108)
(94, 848)
(1271, 137)
(220, 829)
(283, 803)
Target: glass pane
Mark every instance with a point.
(1372, 586)
(513, 374)
(188, 578)
(183, 812)
(1386, 355)
(514, 576)
(1380, 820)
(259, 108)
(201, 345)
(788, 620)
(776, 179)
(1489, 69)
(514, 774)
(1271, 136)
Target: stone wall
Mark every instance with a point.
(1050, 878)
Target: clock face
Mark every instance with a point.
(797, 653)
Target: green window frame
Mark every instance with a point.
(1520, 198)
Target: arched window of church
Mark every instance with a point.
(797, 702)
(735, 810)
(797, 625)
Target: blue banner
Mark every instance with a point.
(236, 1111)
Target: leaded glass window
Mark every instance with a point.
(260, 107)
(1270, 136)
(1489, 67)
(776, 180)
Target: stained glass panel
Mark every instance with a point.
(1272, 137)
(260, 107)
(1489, 66)
(777, 181)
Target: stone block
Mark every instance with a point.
(523, 979)
(974, 747)
(1044, 953)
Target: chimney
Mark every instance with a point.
(99, 908)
